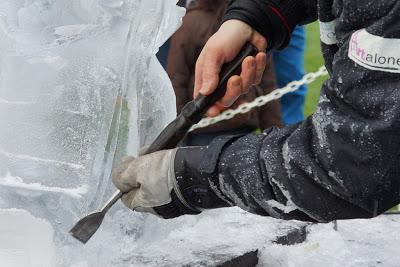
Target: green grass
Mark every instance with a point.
(313, 60)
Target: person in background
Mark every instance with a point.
(162, 54)
(289, 66)
(183, 3)
(187, 3)
(202, 20)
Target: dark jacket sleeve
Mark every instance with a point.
(340, 163)
(274, 19)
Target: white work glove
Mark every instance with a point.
(147, 181)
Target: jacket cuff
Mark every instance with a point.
(274, 19)
(175, 208)
(195, 180)
(197, 174)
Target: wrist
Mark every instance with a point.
(242, 33)
(177, 205)
(193, 174)
(199, 188)
(263, 18)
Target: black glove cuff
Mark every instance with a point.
(261, 18)
(174, 209)
(197, 174)
(274, 19)
(197, 184)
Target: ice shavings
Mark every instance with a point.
(41, 160)
(18, 183)
(73, 30)
(371, 242)
(289, 207)
(4, 101)
(229, 191)
(209, 239)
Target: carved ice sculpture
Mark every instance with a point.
(78, 78)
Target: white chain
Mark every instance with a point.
(262, 100)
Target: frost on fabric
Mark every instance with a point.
(79, 87)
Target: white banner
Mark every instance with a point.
(375, 52)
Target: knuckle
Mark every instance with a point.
(116, 177)
(127, 200)
(127, 159)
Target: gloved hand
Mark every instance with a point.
(147, 181)
(168, 183)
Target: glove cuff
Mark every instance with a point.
(175, 208)
(178, 205)
(196, 172)
(193, 177)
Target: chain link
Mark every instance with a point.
(262, 100)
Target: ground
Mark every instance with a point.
(313, 60)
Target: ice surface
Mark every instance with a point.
(78, 79)
(219, 235)
(25, 240)
(213, 237)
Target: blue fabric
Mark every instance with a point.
(289, 66)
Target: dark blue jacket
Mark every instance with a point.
(340, 163)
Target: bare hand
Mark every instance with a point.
(222, 47)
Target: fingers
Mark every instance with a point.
(214, 110)
(198, 78)
(143, 150)
(132, 200)
(222, 47)
(252, 73)
(258, 41)
(129, 199)
(207, 70)
(261, 62)
(248, 74)
(124, 176)
(234, 90)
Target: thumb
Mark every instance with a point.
(210, 69)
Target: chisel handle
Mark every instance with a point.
(194, 110)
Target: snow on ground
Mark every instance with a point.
(205, 240)
(218, 235)
(373, 242)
